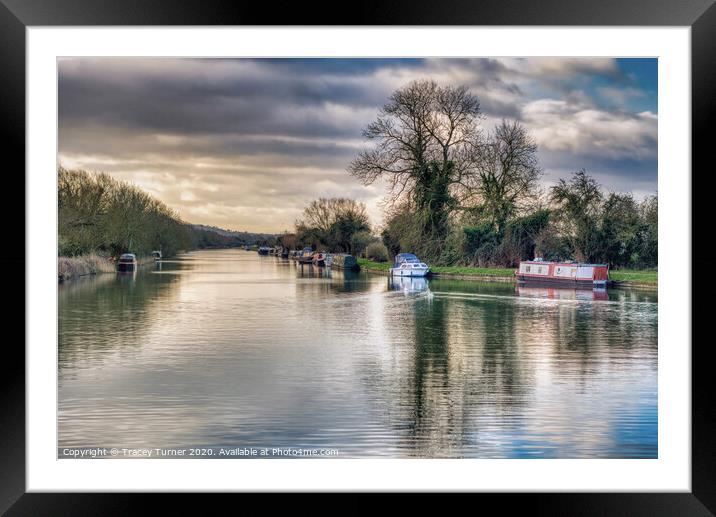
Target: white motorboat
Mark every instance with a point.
(407, 264)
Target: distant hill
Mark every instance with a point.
(228, 237)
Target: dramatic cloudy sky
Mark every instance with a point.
(247, 143)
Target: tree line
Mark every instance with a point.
(97, 213)
(461, 196)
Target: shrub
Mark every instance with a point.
(377, 251)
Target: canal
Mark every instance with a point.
(225, 348)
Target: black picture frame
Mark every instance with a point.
(17, 15)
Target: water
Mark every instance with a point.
(225, 348)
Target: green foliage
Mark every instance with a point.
(360, 242)
(578, 203)
(521, 233)
(454, 250)
(614, 229)
(377, 252)
(482, 243)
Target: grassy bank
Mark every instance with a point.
(643, 277)
(447, 271)
(625, 277)
(82, 265)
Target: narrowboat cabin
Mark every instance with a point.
(127, 263)
(264, 250)
(344, 261)
(329, 260)
(407, 264)
(567, 274)
(306, 257)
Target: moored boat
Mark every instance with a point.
(344, 261)
(407, 264)
(567, 274)
(319, 259)
(157, 255)
(306, 257)
(127, 263)
(264, 250)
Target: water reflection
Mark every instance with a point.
(562, 293)
(408, 285)
(227, 348)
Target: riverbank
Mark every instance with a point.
(648, 278)
(622, 277)
(89, 264)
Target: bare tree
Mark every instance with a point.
(332, 222)
(322, 213)
(423, 137)
(506, 172)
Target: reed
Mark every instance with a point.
(82, 265)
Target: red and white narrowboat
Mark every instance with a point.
(567, 274)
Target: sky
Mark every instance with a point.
(246, 144)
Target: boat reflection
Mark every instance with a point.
(560, 293)
(312, 271)
(408, 284)
(127, 277)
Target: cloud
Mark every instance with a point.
(247, 143)
(560, 126)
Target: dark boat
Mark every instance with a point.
(127, 263)
(563, 274)
(344, 261)
(319, 259)
(264, 250)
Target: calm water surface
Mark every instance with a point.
(225, 348)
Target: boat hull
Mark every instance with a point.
(126, 267)
(562, 282)
(417, 272)
(343, 261)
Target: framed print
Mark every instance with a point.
(423, 257)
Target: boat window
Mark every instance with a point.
(527, 269)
